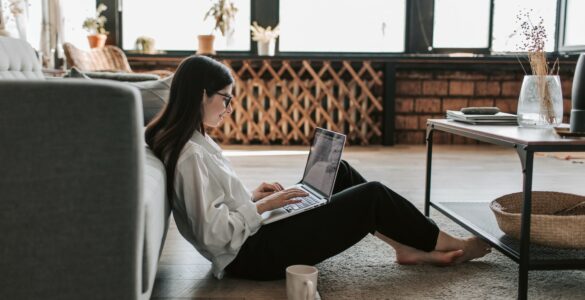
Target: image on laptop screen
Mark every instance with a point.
(323, 160)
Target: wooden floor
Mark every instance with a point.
(460, 173)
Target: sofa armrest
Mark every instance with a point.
(71, 208)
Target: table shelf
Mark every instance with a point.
(477, 218)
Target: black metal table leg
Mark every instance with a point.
(429, 138)
(526, 143)
(527, 160)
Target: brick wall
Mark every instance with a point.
(427, 94)
(427, 87)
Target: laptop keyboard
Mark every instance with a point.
(307, 201)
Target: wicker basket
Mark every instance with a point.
(558, 219)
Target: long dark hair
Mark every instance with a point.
(172, 128)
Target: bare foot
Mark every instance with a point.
(473, 248)
(436, 258)
(449, 251)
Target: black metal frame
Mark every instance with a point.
(389, 104)
(526, 155)
(561, 22)
(559, 34)
(486, 50)
(419, 26)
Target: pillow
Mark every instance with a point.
(118, 76)
(155, 93)
(76, 73)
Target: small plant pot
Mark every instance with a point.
(205, 46)
(97, 40)
(145, 45)
(266, 48)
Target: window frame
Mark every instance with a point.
(418, 35)
(561, 23)
(347, 53)
(479, 50)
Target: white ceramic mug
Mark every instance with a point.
(301, 282)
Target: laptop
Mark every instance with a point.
(318, 177)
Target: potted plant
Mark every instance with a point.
(145, 44)
(266, 38)
(224, 13)
(3, 31)
(95, 26)
(540, 104)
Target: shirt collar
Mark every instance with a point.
(205, 141)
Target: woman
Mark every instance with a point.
(215, 212)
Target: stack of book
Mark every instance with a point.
(494, 119)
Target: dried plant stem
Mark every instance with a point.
(540, 69)
(555, 64)
(521, 64)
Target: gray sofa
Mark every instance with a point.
(83, 210)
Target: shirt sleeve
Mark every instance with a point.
(214, 225)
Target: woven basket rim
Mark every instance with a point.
(497, 209)
(495, 206)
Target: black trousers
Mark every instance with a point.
(357, 208)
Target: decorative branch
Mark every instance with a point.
(534, 41)
(224, 14)
(96, 24)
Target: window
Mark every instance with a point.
(342, 25)
(574, 23)
(505, 14)
(175, 24)
(461, 24)
(74, 13)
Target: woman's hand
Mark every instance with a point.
(266, 189)
(279, 199)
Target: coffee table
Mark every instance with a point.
(478, 218)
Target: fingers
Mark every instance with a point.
(294, 192)
(278, 186)
(270, 187)
(275, 186)
(264, 194)
(283, 198)
(291, 201)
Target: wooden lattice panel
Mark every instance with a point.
(283, 101)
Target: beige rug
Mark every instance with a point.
(367, 271)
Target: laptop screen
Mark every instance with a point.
(323, 160)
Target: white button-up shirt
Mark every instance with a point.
(212, 208)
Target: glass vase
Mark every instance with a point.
(540, 104)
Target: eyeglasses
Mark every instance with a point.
(227, 99)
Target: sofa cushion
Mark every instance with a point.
(154, 93)
(118, 76)
(76, 73)
(157, 212)
(18, 60)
